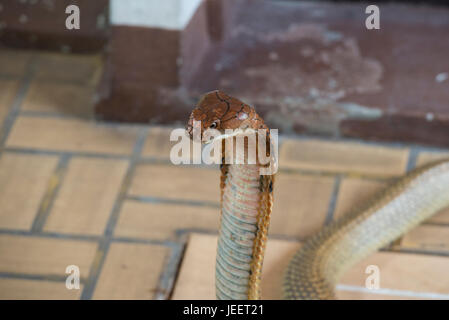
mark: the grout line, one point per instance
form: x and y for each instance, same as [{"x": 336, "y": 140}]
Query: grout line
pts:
[
  {"x": 411, "y": 165},
  {"x": 158, "y": 242},
  {"x": 18, "y": 100},
  {"x": 388, "y": 144},
  {"x": 51, "y": 114},
  {"x": 333, "y": 200},
  {"x": 435, "y": 224},
  {"x": 125, "y": 183},
  {"x": 10, "y": 77},
  {"x": 83, "y": 237},
  {"x": 166, "y": 161},
  {"x": 68, "y": 153},
  {"x": 169, "y": 273},
  {"x": 289, "y": 238},
  {"x": 105, "y": 242},
  {"x": 52, "y": 190},
  {"x": 343, "y": 174},
  {"x": 412, "y": 159},
  {"x": 27, "y": 233},
  {"x": 59, "y": 81},
  {"x": 95, "y": 269},
  {"x": 183, "y": 234},
  {"x": 419, "y": 251},
  {"x": 149, "y": 199},
  {"x": 39, "y": 277}
]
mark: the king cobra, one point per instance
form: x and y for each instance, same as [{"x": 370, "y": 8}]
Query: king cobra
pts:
[{"x": 313, "y": 272}]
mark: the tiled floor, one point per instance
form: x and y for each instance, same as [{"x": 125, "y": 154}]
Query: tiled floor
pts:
[{"x": 105, "y": 198}]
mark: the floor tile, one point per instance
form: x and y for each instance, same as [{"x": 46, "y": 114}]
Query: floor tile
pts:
[
  {"x": 131, "y": 271},
  {"x": 350, "y": 157},
  {"x": 84, "y": 69},
  {"x": 24, "y": 180},
  {"x": 354, "y": 193},
  {"x": 428, "y": 157},
  {"x": 196, "y": 276},
  {"x": 176, "y": 182},
  {"x": 21, "y": 289},
  {"x": 8, "y": 91},
  {"x": 14, "y": 62},
  {"x": 63, "y": 98},
  {"x": 44, "y": 256},
  {"x": 158, "y": 144},
  {"x": 301, "y": 204},
  {"x": 160, "y": 220},
  {"x": 71, "y": 135},
  {"x": 429, "y": 238},
  {"x": 401, "y": 271},
  {"x": 87, "y": 196}
]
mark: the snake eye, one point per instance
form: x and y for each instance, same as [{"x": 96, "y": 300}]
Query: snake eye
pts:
[{"x": 213, "y": 125}]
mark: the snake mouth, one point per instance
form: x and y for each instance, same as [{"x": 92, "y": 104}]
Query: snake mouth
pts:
[{"x": 210, "y": 138}]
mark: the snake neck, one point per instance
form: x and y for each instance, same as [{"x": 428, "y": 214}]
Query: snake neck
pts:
[{"x": 245, "y": 215}]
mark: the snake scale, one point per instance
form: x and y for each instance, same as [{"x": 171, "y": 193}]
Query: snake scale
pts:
[{"x": 312, "y": 273}]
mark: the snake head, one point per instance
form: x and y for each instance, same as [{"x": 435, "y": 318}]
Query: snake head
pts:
[
  {"x": 216, "y": 110},
  {"x": 218, "y": 117}
]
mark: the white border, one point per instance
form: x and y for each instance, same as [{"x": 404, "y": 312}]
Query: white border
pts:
[{"x": 165, "y": 14}]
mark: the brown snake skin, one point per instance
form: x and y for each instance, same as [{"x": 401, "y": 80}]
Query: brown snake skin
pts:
[{"x": 313, "y": 272}]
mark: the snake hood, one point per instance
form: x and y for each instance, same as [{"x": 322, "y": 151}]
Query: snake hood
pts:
[{"x": 217, "y": 110}]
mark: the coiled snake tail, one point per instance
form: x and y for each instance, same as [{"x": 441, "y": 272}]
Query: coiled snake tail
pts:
[{"x": 315, "y": 269}]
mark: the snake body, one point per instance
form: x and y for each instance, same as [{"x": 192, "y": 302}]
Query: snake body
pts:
[{"x": 246, "y": 204}]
